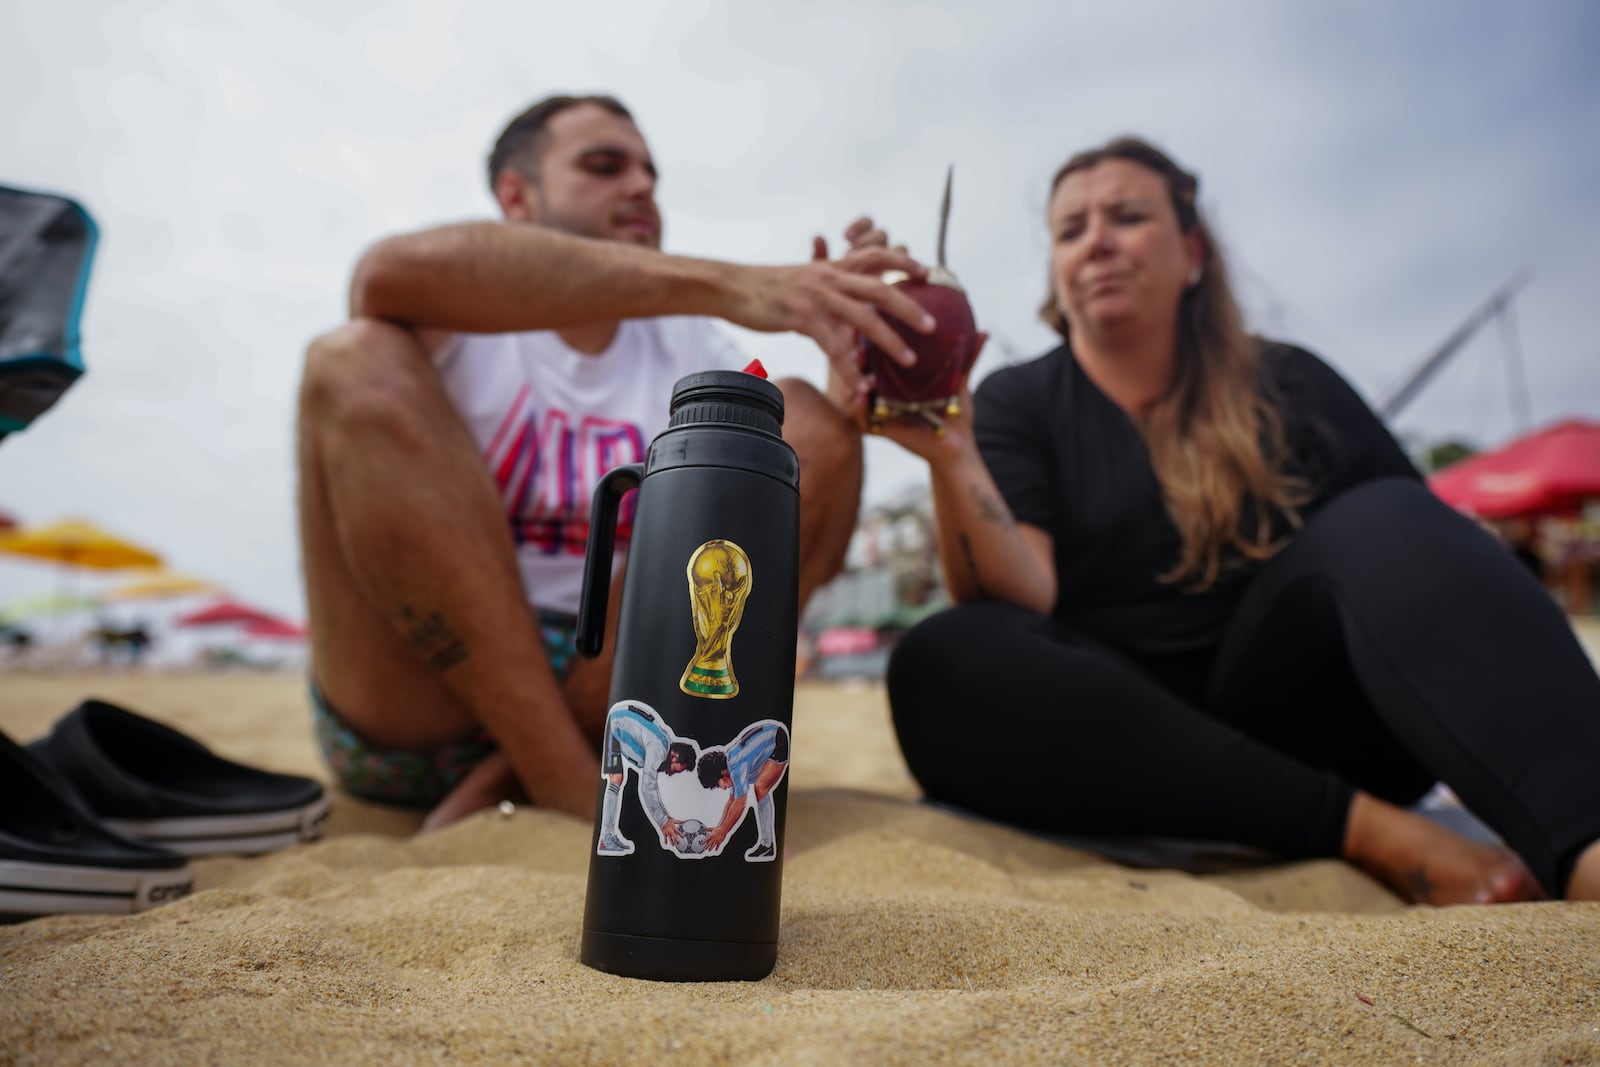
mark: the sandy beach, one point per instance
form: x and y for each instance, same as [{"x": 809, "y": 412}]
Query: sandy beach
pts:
[{"x": 910, "y": 936}]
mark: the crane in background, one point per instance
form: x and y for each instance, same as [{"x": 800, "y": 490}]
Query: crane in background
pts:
[{"x": 1497, "y": 307}]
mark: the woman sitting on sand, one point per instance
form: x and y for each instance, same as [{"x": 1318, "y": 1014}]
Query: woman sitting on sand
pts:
[{"x": 1202, "y": 593}]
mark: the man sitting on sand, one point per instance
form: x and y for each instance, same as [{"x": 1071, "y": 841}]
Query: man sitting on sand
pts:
[{"x": 451, "y": 433}]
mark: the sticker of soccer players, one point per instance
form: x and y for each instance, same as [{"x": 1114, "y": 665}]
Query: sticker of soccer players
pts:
[
  {"x": 754, "y": 763},
  {"x": 636, "y": 737}
]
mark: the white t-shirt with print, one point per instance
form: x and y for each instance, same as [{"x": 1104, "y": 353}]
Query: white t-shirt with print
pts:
[{"x": 551, "y": 421}]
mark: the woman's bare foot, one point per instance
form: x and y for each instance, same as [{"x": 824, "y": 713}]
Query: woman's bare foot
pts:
[
  {"x": 1584, "y": 884},
  {"x": 1428, "y": 864}
]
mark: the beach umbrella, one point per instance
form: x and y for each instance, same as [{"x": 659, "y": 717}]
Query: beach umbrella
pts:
[
  {"x": 40, "y": 605},
  {"x": 227, "y": 611},
  {"x": 78, "y": 544},
  {"x": 846, "y": 641},
  {"x": 158, "y": 584},
  {"x": 1551, "y": 472},
  {"x": 275, "y": 628}
]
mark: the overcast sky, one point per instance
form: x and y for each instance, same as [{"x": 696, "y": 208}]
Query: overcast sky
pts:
[{"x": 1375, "y": 171}]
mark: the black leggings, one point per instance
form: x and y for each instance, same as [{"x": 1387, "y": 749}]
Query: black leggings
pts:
[{"x": 1393, "y": 644}]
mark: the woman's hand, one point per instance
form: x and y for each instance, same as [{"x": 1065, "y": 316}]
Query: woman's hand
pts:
[{"x": 938, "y": 445}]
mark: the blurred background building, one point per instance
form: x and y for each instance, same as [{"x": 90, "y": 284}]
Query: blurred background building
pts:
[{"x": 891, "y": 581}]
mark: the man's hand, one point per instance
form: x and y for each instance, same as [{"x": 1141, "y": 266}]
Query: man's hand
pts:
[
  {"x": 672, "y": 830},
  {"x": 834, "y": 304},
  {"x": 847, "y": 386}
]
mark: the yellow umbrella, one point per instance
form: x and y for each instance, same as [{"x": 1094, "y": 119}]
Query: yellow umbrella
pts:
[
  {"x": 40, "y": 605},
  {"x": 78, "y": 544},
  {"x": 156, "y": 584}
]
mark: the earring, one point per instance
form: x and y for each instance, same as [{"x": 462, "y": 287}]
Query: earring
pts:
[{"x": 1195, "y": 276}]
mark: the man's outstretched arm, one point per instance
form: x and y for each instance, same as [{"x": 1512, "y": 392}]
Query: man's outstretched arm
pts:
[{"x": 496, "y": 277}]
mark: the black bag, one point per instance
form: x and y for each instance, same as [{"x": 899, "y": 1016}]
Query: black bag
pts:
[{"x": 46, "y": 247}]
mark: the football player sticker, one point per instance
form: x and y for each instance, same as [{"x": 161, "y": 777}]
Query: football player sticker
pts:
[{"x": 729, "y": 780}]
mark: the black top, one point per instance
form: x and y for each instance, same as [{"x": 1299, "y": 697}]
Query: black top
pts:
[{"x": 1071, "y": 462}]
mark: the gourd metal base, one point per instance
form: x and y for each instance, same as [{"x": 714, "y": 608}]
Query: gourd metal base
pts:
[{"x": 885, "y": 410}]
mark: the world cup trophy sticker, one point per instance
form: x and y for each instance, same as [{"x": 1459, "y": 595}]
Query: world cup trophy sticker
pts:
[{"x": 719, "y": 584}]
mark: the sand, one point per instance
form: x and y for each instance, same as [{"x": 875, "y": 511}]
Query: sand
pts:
[{"x": 910, "y": 936}]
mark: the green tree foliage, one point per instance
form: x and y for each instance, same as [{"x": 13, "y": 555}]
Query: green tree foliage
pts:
[{"x": 1445, "y": 453}]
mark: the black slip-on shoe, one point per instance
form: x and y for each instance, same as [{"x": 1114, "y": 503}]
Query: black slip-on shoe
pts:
[
  {"x": 55, "y": 856},
  {"x": 151, "y": 782}
]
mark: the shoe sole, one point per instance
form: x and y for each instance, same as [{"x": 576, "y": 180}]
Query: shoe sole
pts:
[
  {"x": 209, "y": 835},
  {"x": 52, "y": 888}
]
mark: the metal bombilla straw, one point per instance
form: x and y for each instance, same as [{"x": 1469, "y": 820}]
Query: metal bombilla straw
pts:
[
  {"x": 935, "y": 411},
  {"x": 939, "y": 274}
]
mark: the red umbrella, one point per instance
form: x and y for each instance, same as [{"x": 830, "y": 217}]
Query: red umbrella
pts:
[
  {"x": 226, "y": 611},
  {"x": 1546, "y": 473},
  {"x": 277, "y": 628},
  {"x": 846, "y": 641}
]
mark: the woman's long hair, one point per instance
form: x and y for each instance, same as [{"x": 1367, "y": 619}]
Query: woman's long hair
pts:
[{"x": 1216, "y": 441}]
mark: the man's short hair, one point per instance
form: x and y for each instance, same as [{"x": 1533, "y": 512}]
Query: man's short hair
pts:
[
  {"x": 523, "y": 140},
  {"x": 685, "y": 753},
  {"x": 711, "y": 767}
]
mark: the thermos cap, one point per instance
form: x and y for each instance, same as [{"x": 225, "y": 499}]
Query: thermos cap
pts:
[{"x": 727, "y": 398}]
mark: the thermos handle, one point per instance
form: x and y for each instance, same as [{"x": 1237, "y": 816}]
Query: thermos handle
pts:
[{"x": 597, "y": 560}]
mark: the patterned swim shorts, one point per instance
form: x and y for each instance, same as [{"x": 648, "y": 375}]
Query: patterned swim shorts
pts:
[{"x": 420, "y": 779}]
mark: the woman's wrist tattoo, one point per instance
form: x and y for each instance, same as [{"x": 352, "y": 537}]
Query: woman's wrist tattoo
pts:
[
  {"x": 972, "y": 565},
  {"x": 991, "y": 507}
]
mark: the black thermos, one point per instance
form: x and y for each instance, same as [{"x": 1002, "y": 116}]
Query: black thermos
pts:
[{"x": 702, "y": 685}]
